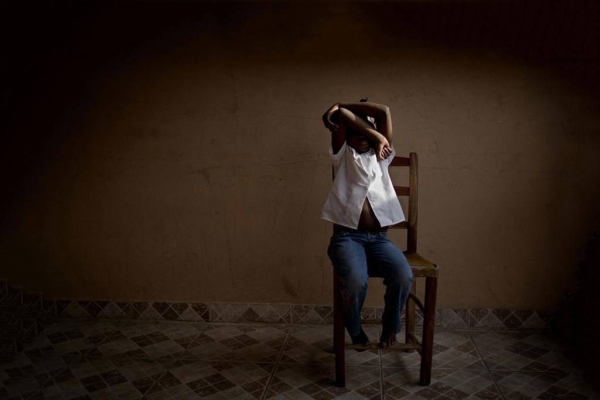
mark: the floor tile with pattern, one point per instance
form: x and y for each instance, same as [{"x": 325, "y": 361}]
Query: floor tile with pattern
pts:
[{"x": 105, "y": 359}]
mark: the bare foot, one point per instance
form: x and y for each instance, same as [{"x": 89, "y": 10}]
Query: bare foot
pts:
[{"x": 387, "y": 339}]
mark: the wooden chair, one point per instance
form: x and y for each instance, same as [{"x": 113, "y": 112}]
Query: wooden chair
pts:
[{"x": 421, "y": 268}]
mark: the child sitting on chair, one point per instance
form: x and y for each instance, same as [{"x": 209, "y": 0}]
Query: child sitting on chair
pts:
[{"x": 362, "y": 204}]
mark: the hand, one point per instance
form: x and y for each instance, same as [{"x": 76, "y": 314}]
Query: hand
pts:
[
  {"x": 327, "y": 118},
  {"x": 383, "y": 149}
]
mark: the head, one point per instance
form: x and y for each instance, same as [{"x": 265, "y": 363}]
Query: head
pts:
[{"x": 358, "y": 141}]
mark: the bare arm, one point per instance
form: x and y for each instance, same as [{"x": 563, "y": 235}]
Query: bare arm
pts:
[
  {"x": 380, "y": 112},
  {"x": 331, "y": 120},
  {"x": 342, "y": 115},
  {"x": 348, "y": 119}
]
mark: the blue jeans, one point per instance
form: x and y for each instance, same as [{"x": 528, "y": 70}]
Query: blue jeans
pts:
[{"x": 356, "y": 255}]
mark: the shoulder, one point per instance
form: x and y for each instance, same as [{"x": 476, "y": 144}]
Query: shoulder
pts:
[{"x": 338, "y": 155}]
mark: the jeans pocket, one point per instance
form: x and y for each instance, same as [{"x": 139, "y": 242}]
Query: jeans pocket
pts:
[{"x": 336, "y": 239}]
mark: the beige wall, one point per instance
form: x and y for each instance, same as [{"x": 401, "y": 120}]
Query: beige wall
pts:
[{"x": 175, "y": 151}]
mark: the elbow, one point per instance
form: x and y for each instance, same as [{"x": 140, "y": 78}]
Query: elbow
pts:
[
  {"x": 383, "y": 111},
  {"x": 379, "y": 110},
  {"x": 344, "y": 113}
]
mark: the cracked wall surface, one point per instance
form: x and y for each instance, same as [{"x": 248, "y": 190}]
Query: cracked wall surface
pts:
[{"x": 174, "y": 151}]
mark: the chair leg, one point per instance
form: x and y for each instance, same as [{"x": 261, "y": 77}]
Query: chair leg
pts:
[
  {"x": 339, "y": 345},
  {"x": 410, "y": 315},
  {"x": 428, "y": 327}
]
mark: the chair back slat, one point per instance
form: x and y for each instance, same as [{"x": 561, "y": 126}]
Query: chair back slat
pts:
[
  {"x": 400, "y": 162},
  {"x": 400, "y": 225},
  {"x": 402, "y": 190}
]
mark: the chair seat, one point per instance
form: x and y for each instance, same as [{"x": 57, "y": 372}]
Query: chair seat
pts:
[{"x": 421, "y": 267}]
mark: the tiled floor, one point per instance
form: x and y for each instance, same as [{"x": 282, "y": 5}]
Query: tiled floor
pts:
[{"x": 159, "y": 360}]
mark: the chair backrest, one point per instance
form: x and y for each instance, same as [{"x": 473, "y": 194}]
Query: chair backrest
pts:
[{"x": 412, "y": 192}]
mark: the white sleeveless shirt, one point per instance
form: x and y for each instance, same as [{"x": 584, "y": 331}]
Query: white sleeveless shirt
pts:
[{"x": 358, "y": 176}]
